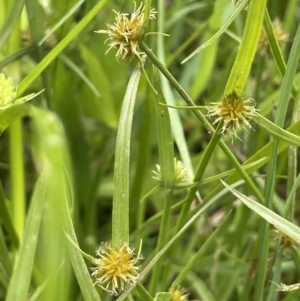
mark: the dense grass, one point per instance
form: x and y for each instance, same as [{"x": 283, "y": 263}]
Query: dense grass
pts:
[{"x": 77, "y": 160}]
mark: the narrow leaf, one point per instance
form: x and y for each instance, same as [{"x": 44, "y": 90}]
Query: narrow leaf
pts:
[{"x": 274, "y": 219}]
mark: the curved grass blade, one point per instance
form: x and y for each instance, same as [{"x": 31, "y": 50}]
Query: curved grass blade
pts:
[
  {"x": 277, "y": 131},
  {"x": 82, "y": 273},
  {"x": 60, "y": 47},
  {"x": 61, "y": 21},
  {"x": 9, "y": 114},
  {"x": 177, "y": 235},
  {"x": 271, "y": 217},
  {"x": 79, "y": 72},
  {"x": 120, "y": 218},
  {"x": 219, "y": 33},
  {"x": 17, "y": 55},
  {"x": 275, "y": 48},
  {"x": 10, "y": 21},
  {"x": 20, "y": 281},
  {"x": 6, "y": 219},
  {"x": 53, "y": 157}
]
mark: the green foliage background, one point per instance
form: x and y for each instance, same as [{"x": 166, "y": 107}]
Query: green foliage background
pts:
[{"x": 57, "y": 162}]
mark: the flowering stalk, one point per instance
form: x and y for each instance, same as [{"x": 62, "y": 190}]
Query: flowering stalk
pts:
[{"x": 165, "y": 174}]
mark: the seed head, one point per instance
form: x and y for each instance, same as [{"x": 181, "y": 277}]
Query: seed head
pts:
[
  {"x": 126, "y": 32},
  {"x": 8, "y": 92},
  {"x": 115, "y": 269},
  {"x": 280, "y": 34},
  {"x": 234, "y": 111},
  {"x": 287, "y": 288},
  {"x": 180, "y": 171},
  {"x": 178, "y": 294},
  {"x": 287, "y": 243}
]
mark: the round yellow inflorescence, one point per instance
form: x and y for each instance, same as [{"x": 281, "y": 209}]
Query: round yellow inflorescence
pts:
[
  {"x": 116, "y": 269},
  {"x": 233, "y": 111},
  {"x": 8, "y": 92},
  {"x": 126, "y": 32},
  {"x": 178, "y": 294},
  {"x": 280, "y": 34},
  {"x": 181, "y": 175},
  {"x": 287, "y": 243}
]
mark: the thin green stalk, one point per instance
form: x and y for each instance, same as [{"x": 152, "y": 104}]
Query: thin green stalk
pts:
[
  {"x": 162, "y": 239},
  {"x": 6, "y": 219},
  {"x": 198, "y": 176},
  {"x": 17, "y": 175},
  {"x": 143, "y": 158},
  {"x": 19, "y": 284},
  {"x": 120, "y": 214},
  {"x": 12, "y": 20},
  {"x": 218, "y": 33},
  {"x": 175, "y": 84},
  {"x": 166, "y": 160},
  {"x": 275, "y": 48},
  {"x": 289, "y": 22},
  {"x": 211, "y": 239},
  {"x": 16, "y": 140},
  {"x": 40, "y": 67},
  {"x": 292, "y": 166},
  {"x": 143, "y": 293},
  {"x": 186, "y": 43}
]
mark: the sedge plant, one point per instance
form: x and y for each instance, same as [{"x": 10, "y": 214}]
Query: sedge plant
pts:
[{"x": 149, "y": 150}]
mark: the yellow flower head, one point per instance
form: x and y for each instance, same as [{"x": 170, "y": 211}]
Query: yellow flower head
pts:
[
  {"x": 280, "y": 34},
  {"x": 287, "y": 243},
  {"x": 8, "y": 92},
  {"x": 115, "y": 269},
  {"x": 180, "y": 171},
  {"x": 233, "y": 111},
  {"x": 126, "y": 32},
  {"x": 178, "y": 294}
]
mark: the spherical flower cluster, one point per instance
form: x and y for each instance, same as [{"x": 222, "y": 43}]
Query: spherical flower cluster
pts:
[
  {"x": 233, "y": 111},
  {"x": 116, "y": 268},
  {"x": 280, "y": 34},
  {"x": 126, "y": 32},
  {"x": 178, "y": 294},
  {"x": 8, "y": 92},
  {"x": 180, "y": 171},
  {"x": 287, "y": 243}
]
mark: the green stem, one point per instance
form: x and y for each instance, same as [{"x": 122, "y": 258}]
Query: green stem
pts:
[
  {"x": 39, "y": 68},
  {"x": 17, "y": 175},
  {"x": 16, "y": 139},
  {"x": 166, "y": 160},
  {"x": 275, "y": 48},
  {"x": 198, "y": 176},
  {"x": 206, "y": 245},
  {"x": 175, "y": 84}
]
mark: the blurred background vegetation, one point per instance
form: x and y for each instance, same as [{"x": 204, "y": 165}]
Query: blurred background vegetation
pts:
[{"x": 84, "y": 89}]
